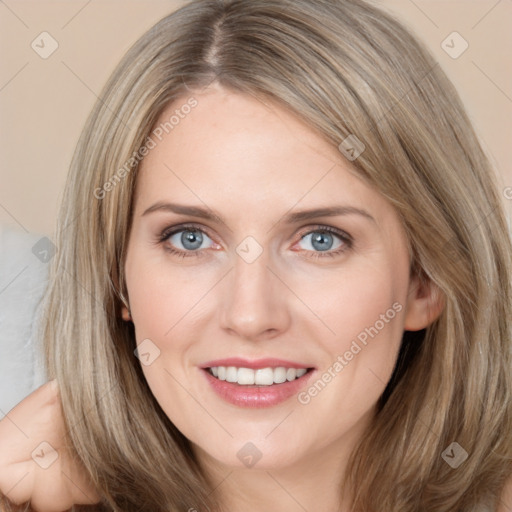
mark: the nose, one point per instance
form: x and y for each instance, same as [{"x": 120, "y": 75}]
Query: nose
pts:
[{"x": 254, "y": 300}]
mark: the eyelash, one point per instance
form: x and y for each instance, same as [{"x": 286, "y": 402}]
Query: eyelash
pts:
[{"x": 345, "y": 238}]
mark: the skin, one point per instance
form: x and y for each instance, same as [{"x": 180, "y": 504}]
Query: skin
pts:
[
  {"x": 35, "y": 464},
  {"x": 281, "y": 305},
  {"x": 252, "y": 163}
]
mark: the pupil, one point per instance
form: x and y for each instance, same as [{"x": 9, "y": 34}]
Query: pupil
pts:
[
  {"x": 322, "y": 238},
  {"x": 193, "y": 238}
]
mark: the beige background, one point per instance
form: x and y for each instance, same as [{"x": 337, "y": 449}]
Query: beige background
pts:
[{"x": 44, "y": 102}]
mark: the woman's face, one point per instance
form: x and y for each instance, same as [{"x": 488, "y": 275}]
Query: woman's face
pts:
[{"x": 254, "y": 252}]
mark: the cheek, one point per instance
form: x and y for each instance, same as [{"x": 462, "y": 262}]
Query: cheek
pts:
[
  {"x": 161, "y": 302},
  {"x": 159, "y": 298},
  {"x": 148, "y": 301},
  {"x": 360, "y": 303},
  {"x": 364, "y": 311}
]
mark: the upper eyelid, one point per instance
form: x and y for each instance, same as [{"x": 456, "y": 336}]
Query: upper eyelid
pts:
[
  {"x": 335, "y": 231},
  {"x": 306, "y": 230},
  {"x": 167, "y": 232}
]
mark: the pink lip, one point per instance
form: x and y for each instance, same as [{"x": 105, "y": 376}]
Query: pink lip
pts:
[
  {"x": 240, "y": 362},
  {"x": 256, "y": 396}
]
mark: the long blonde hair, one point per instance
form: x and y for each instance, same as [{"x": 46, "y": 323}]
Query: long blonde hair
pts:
[{"x": 346, "y": 68}]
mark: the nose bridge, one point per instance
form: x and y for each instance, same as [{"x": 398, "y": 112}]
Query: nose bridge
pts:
[
  {"x": 253, "y": 304},
  {"x": 251, "y": 279}
]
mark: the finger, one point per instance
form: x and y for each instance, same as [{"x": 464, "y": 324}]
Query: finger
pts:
[
  {"x": 16, "y": 482},
  {"x": 35, "y": 419}
]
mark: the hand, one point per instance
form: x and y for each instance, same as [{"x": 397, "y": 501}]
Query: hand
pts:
[{"x": 35, "y": 464}]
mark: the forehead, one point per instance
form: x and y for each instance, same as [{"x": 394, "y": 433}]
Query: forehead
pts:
[{"x": 234, "y": 149}]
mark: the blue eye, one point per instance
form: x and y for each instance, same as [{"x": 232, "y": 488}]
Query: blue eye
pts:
[
  {"x": 190, "y": 238},
  {"x": 322, "y": 242},
  {"x": 186, "y": 241}
]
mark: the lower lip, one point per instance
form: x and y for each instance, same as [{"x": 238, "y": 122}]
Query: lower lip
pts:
[{"x": 256, "y": 396}]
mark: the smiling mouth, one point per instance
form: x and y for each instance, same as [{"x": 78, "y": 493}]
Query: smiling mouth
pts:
[{"x": 259, "y": 377}]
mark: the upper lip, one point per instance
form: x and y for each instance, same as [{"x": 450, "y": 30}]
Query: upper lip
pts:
[{"x": 267, "y": 362}]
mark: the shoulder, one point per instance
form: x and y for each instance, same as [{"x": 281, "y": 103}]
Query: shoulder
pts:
[{"x": 505, "y": 504}]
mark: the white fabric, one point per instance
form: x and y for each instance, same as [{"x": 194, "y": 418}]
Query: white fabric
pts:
[{"x": 23, "y": 278}]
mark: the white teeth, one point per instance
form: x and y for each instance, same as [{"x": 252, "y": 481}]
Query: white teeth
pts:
[
  {"x": 245, "y": 376},
  {"x": 264, "y": 376},
  {"x": 231, "y": 374},
  {"x": 279, "y": 375},
  {"x": 260, "y": 377}
]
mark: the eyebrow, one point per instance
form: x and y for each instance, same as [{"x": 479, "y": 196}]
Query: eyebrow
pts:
[{"x": 291, "y": 218}]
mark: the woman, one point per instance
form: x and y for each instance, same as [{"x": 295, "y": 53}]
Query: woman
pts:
[{"x": 287, "y": 284}]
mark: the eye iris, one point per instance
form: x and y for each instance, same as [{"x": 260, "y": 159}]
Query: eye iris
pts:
[
  {"x": 321, "y": 238},
  {"x": 191, "y": 237}
]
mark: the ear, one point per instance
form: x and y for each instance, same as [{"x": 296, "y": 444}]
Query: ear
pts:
[
  {"x": 425, "y": 302},
  {"x": 125, "y": 314}
]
